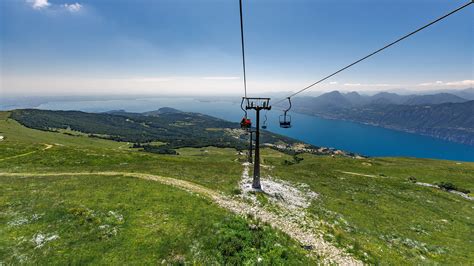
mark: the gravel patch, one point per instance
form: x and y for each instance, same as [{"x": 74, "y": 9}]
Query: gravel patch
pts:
[
  {"x": 282, "y": 193},
  {"x": 40, "y": 239},
  {"x": 290, "y": 216},
  {"x": 450, "y": 191}
]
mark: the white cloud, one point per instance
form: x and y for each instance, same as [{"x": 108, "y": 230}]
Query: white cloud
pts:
[
  {"x": 43, "y": 4},
  {"x": 426, "y": 84},
  {"x": 333, "y": 82},
  {"x": 220, "y": 78},
  {"x": 467, "y": 82},
  {"x": 39, "y": 4},
  {"x": 459, "y": 83},
  {"x": 180, "y": 85},
  {"x": 68, "y": 85},
  {"x": 149, "y": 79},
  {"x": 377, "y": 85},
  {"x": 73, "y": 7},
  {"x": 180, "y": 78}
]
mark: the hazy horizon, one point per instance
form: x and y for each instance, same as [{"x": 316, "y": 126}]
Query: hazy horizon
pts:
[{"x": 277, "y": 94}]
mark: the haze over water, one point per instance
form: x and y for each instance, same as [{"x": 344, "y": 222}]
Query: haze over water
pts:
[{"x": 345, "y": 135}]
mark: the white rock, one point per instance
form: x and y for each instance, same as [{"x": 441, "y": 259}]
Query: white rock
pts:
[{"x": 40, "y": 239}]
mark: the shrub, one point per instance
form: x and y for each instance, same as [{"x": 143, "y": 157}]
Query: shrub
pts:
[
  {"x": 236, "y": 191},
  {"x": 447, "y": 186},
  {"x": 297, "y": 159},
  {"x": 450, "y": 186},
  {"x": 159, "y": 149}
]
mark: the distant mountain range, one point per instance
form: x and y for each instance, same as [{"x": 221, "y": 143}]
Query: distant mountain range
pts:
[
  {"x": 354, "y": 99},
  {"x": 442, "y": 115},
  {"x": 466, "y": 94}
]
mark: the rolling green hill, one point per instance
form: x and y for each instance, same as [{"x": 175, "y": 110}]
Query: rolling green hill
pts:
[
  {"x": 74, "y": 199},
  {"x": 161, "y": 131},
  {"x": 104, "y": 219},
  {"x": 176, "y": 129}
]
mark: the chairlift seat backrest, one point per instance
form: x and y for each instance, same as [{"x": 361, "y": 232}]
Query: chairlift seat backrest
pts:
[{"x": 285, "y": 121}]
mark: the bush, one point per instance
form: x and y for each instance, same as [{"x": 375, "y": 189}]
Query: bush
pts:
[
  {"x": 236, "y": 191},
  {"x": 159, "y": 149},
  {"x": 447, "y": 186},
  {"x": 297, "y": 159}
]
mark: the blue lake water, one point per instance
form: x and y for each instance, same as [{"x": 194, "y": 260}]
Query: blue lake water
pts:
[{"x": 349, "y": 136}]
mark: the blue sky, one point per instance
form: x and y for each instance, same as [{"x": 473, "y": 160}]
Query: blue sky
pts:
[{"x": 75, "y": 47}]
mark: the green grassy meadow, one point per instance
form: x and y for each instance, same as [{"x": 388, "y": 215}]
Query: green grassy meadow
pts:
[
  {"x": 213, "y": 167},
  {"x": 368, "y": 206},
  {"x": 111, "y": 220},
  {"x": 385, "y": 216}
]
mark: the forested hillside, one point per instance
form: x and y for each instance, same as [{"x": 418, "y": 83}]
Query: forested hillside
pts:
[{"x": 172, "y": 127}]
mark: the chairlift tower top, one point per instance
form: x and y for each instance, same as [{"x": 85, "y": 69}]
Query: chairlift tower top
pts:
[{"x": 257, "y": 104}]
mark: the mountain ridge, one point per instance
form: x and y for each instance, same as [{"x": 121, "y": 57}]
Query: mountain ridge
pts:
[
  {"x": 443, "y": 115},
  {"x": 336, "y": 98}
]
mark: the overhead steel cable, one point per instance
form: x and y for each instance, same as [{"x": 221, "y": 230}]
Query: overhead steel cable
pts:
[
  {"x": 379, "y": 50},
  {"x": 243, "y": 48}
]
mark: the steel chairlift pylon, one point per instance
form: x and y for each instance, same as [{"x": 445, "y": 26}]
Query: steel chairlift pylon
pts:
[{"x": 257, "y": 104}]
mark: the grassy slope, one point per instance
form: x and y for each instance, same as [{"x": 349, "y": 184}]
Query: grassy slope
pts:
[
  {"x": 213, "y": 167},
  {"x": 159, "y": 222},
  {"x": 110, "y": 220},
  {"x": 388, "y": 218}
]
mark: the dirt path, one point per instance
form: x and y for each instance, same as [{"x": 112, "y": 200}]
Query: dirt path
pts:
[
  {"x": 292, "y": 201},
  {"x": 306, "y": 237},
  {"x": 47, "y": 146},
  {"x": 352, "y": 173},
  {"x": 126, "y": 144}
]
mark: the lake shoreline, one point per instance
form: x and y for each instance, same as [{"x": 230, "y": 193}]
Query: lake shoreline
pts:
[{"x": 411, "y": 131}]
